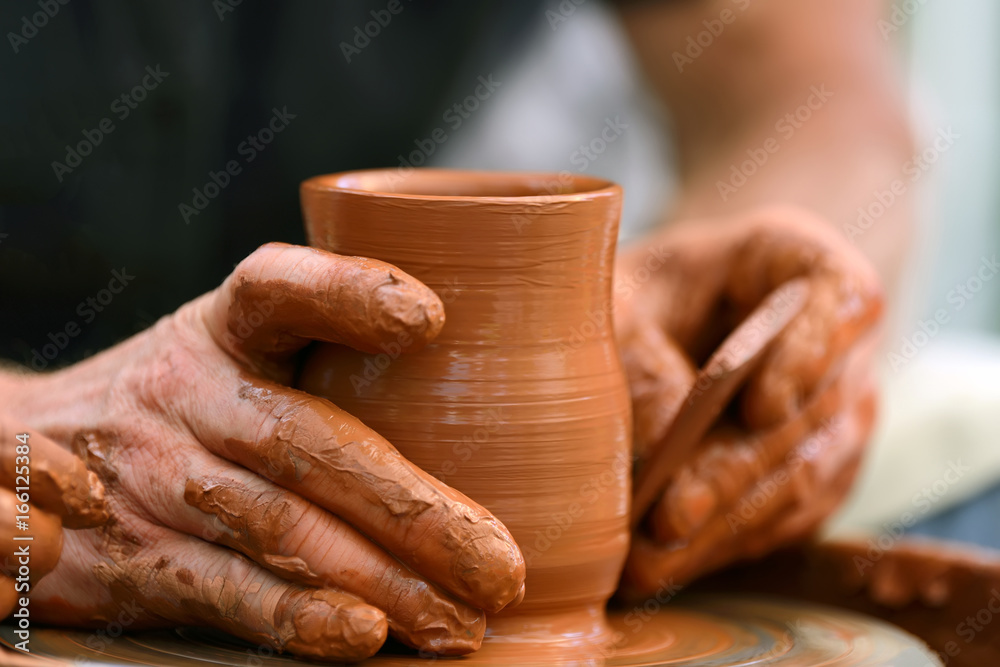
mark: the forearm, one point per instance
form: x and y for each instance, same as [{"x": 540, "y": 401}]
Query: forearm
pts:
[{"x": 733, "y": 108}]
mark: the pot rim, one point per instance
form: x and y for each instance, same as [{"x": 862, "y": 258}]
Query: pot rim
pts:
[{"x": 581, "y": 186}]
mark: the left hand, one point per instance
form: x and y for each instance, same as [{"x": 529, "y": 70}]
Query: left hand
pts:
[{"x": 781, "y": 462}]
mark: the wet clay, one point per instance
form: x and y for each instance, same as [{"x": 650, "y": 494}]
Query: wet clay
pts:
[
  {"x": 698, "y": 526},
  {"x": 946, "y": 594},
  {"x": 417, "y": 613},
  {"x": 689, "y": 632},
  {"x": 520, "y": 402},
  {"x": 60, "y": 482},
  {"x": 151, "y": 575},
  {"x": 713, "y": 388},
  {"x": 356, "y": 472},
  {"x": 264, "y": 318}
]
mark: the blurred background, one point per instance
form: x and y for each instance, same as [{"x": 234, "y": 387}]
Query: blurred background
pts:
[
  {"x": 940, "y": 407},
  {"x": 557, "y": 85}
]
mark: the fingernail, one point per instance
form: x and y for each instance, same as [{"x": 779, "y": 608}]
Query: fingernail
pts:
[
  {"x": 331, "y": 624},
  {"x": 492, "y": 569},
  {"x": 443, "y": 626},
  {"x": 409, "y": 310}
]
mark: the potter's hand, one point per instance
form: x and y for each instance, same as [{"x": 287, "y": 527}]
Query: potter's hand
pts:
[
  {"x": 783, "y": 459},
  {"x": 239, "y": 503},
  {"x": 43, "y": 487}
]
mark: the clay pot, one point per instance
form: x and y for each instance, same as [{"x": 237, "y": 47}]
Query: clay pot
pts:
[{"x": 520, "y": 402}]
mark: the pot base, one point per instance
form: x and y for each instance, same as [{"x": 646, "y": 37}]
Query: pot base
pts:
[{"x": 700, "y": 630}]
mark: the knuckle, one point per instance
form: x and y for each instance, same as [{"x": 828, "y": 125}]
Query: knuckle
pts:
[{"x": 276, "y": 434}]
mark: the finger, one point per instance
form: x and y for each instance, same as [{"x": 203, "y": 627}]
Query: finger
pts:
[
  {"x": 660, "y": 375},
  {"x": 801, "y": 519},
  {"x": 303, "y": 543},
  {"x": 308, "y": 445},
  {"x": 725, "y": 461},
  {"x": 845, "y": 305},
  {"x": 675, "y": 281},
  {"x": 281, "y": 297},
  {"x": 730, "y": 462},
  {"x": 716, "y": 544},
  {"x": 32, "y": 539},
  {"x": 811, "y": 483},
  {"x": 59, "y": 481},
  {"x": 190, "y": 582}
]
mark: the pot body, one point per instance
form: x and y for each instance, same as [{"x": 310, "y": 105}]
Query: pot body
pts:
[{"x": 520, "y": 402}]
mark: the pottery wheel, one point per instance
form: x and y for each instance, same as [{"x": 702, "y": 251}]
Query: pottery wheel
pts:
[{"x": 719, "y": 631}]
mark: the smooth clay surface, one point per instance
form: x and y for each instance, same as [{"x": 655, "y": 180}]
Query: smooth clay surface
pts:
[{"x": 520, "y": 402}]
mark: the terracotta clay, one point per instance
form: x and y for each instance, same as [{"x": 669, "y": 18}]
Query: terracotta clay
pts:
[
  {"x": 521, "y": 399},
  {"x": 520, "y": 402},
  {"x": 946, "y": 594}
]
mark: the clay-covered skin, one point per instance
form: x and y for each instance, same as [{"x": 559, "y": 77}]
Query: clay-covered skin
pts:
[
  {"x": 713, "y": 388},
  {"x": 784, "y": 456},
  {"x": 258, "y": 522},
  {"x": 520, "y": 401},
  {"x": 235, "y": 502},
  {"x": 945, "y": 593},
  {"x": 60, "y": 492}
]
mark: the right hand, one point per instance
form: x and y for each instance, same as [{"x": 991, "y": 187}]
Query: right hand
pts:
[
  {"x": 239, "y": 503},
  {"x": 800, "y": 423}
]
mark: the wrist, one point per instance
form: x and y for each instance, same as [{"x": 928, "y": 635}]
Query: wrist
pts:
[{"x": 17, "y": 385}]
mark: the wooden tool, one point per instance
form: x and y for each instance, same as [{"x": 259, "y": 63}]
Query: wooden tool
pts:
[{"x": 715, "y": 385}]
